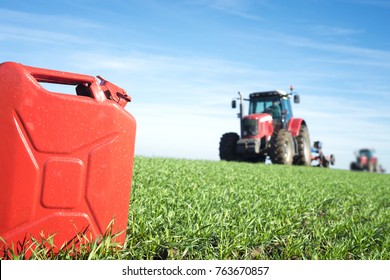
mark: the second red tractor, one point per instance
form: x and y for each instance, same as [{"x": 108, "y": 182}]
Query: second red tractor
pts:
[{"x": 366, "y": 160}]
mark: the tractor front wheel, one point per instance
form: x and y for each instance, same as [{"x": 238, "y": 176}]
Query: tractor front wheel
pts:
[
  {"x": 227, "y": 146},
  {"x": 282, "y": 150},
  {"x": 355, "y": 167}
]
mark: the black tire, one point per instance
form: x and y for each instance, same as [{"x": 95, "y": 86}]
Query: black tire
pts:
[
  {"x": 354, "y": 167},
  {"x": 332, "y": 159},
  {"x": 227, "y": 146},
  {"x": 282, "y": 150},
  {"x": 303, "y": 143},
  {"x": 375, "y": 168},
  {"x": 325, "y": 163},
  {"x": 259, "y": 159}
]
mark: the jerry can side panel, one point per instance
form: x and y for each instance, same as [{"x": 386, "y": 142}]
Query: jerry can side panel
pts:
[
  {"x": 18, "y": 167},
  {"x": 112, "y": 165}
]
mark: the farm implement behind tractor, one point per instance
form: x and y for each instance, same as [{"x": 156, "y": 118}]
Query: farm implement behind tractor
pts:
[
  {"x": 318, "y": 158},
  {"x": 269, "y": 130}
]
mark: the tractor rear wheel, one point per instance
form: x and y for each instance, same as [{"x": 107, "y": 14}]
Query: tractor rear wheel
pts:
[
  {"x": 303, "y": 143},
  {"x": 227, "y": 146},
  {"x": 325, "y": 163},
  {"x": 282, "y": 150}
]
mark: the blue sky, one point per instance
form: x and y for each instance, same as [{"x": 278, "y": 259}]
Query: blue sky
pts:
[{"x": 183, "y": 62}]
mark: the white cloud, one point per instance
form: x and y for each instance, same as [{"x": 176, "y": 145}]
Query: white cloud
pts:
[
  {"x": 39, "y": 36},
  {"x": 326, "y": 30},
  {"x": 239, "y": 8},
  {"x": 325, "y": 48},
  {"x": 46, "y": 21},
  {"x": 178, "y": 131}
]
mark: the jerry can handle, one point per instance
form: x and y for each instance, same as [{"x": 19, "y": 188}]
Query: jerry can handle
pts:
[
  {"x": 106, "y": 90},
  {"x": 58, "y": 77}
]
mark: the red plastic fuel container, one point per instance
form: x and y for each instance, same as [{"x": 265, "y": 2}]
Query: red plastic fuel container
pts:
[{"x": 66, "y": 161}]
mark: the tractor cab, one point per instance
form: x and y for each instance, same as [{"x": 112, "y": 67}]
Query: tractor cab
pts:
[
  {"x": 269, "y": 110},
  {"x": 368, "y": 153},
  {"x": 276, "y": 103}
]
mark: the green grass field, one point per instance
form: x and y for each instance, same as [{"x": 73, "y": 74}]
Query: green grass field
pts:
[
  {"x": 193, "y": 209},
  {"x": 227, "y": 210}
]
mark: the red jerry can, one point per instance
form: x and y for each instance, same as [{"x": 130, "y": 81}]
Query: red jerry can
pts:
[{"x": 66, "y": 161}]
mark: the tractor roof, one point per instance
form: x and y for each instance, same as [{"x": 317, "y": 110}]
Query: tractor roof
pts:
[
  {"x": 372, "y": 150},
  {"x": 269, "y": 93}
]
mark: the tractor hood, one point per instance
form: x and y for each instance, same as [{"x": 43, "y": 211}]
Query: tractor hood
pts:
[
  {"x": 263, "y": 117},
  {"x": 257, "y": 125}
]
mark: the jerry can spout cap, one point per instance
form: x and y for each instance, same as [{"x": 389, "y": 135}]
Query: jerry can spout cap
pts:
[{"x": 114, "y": 92}]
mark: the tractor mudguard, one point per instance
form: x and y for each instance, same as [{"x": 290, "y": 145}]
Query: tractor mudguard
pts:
[{"x": 295, "y": 125}]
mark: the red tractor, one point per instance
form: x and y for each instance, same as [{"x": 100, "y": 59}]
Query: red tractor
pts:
[
  {"x": 269, "y": 130},
  {"x": 365, "y": 160}
]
